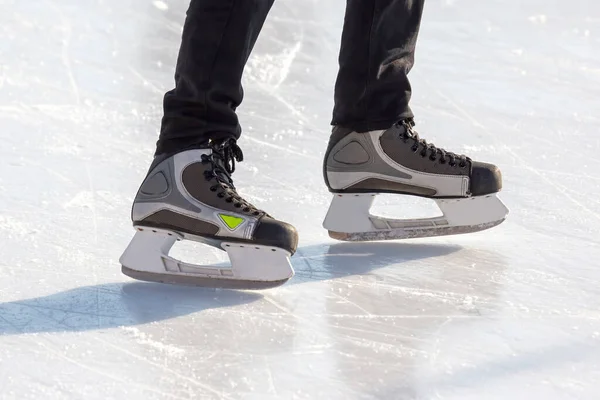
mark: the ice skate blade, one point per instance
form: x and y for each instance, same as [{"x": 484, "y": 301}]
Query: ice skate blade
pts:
[
  {"x": 195, "y": 281},
  {"x": 348, "y": 219},
  {"x": 410, "y": 233},
  {"x": 252, "y": 267}
]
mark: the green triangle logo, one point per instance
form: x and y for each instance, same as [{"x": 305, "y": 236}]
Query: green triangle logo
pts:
[{"x": 231, "y": 221}]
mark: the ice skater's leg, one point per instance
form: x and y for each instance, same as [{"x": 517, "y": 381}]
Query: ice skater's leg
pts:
[
  {"x": 377, "y": 52},
  {"x": 218, "y": 37},
  {"x": 188, "y": 193},
  {"x": 374, "y": 147}
]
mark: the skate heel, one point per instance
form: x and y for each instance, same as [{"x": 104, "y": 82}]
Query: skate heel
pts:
[
  {"x": 349, "y": 218},
  {"x": 252, "y": 266}
]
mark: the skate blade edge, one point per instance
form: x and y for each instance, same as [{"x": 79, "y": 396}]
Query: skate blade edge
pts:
[
  {"x": 197, "y": 281},
  {"x": 414, "y": 233}
]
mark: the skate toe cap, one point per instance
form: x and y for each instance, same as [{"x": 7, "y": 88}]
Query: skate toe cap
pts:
[
  {"x": 271, "y": 232},
  {"x": 485, "y": 179}
]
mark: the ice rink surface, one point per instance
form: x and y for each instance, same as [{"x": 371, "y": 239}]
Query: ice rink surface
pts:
[{"x": 510, "y": 313}]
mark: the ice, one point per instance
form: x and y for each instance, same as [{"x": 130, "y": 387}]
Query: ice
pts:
[{"x": 513, "y": 312}]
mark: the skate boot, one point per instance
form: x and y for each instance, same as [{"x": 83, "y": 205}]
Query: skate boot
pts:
[
  {"x": 358, "y": 166},
  {"x": 191, "y": 195}
]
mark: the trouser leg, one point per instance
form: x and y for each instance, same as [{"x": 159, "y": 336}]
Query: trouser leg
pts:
[
  {"x": 218, "y": 36},
  {"x": 372, "y": 90}
]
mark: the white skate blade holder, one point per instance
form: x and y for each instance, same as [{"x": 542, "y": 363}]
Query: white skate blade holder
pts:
[
  {"x": 349, "y": 218},
  {"x": 252, "y": 266}
]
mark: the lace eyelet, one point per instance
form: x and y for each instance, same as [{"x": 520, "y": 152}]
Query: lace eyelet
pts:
[
  {"x": 213, "y": 188},
  {"x": 229, "y": 200},
  {"x": 442, "y": 161},
  {"x": 423, "y": 155},
  {"x": 246, "y": 209},
  {"x": 237, "y": 205},
  {"x": 256, "y": 213},
  {"x": 432, "y": 158},
  {"x": 462, "y": 165},
  {"x": 452, "y": 164},
  {"x": 414, "y": 149}
]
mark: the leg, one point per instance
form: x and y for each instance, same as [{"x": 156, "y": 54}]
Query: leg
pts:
[
  {"x": 377, "y": 52},
  {"x": 188, "y": 193},
  {"x": 374, "y": 148},
  {"x": 218, "y": 37}
]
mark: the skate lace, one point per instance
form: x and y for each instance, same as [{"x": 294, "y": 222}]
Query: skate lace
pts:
[
  {"x": 435, "y": 153},
  {"x": 224, "y": 155}
]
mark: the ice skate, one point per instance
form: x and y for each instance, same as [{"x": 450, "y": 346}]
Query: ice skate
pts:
[
  {"x": 358, "y": 166},
  {"x": 191, "y": 195}
]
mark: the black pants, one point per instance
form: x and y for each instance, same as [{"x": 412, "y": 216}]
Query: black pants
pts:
[{"x": 372, "y": 90}]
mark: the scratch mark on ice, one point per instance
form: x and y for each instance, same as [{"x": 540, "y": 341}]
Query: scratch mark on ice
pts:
[
  {"x": 66, "y": 58},
  {"x": 92, "y": 202},
  {"x": 270, "y": 377},
  {"x": 281, "y": 148},
  {"x": 142, "y": 338},
  {"x": 346, "y": 300},
  {"x": 161, "y": 346},
  {"x": 288, "y": 60},
  {"x": 95, "y": 221},
  {"x": 2, "y": 78},
  {"x": 116, "y": 378},
  {"x": 152, "y": 86}
]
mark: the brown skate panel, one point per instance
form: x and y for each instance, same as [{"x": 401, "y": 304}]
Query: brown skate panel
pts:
[
  {"x": 170, "y": 220},
  {"x": 382, "y": 185}
]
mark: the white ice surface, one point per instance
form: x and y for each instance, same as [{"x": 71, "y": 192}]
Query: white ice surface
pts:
[{"x": 511, "y": 313}]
